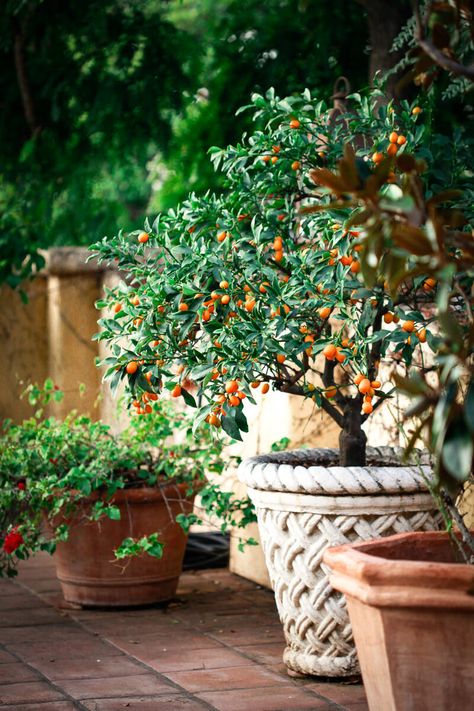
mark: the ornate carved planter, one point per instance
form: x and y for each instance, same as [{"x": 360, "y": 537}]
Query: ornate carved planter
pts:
[
  {"x": 305, "y": 503},
  {"x": 412, "y": 609}
]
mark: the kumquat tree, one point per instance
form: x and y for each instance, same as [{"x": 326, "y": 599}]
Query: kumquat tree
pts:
[{"x": 262, "y": 287}]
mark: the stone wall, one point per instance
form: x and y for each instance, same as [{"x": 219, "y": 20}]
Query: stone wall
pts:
[{"x": 51, "y": 335}]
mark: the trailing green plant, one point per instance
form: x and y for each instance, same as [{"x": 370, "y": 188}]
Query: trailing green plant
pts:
[{"x": 49, "y": 468}]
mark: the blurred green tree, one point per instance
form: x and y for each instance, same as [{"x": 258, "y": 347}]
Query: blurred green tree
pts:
[
  {"x": 108, "y": 106},
  {"x": 87, "y": 93},
  {"x": 247, "y": 46}
]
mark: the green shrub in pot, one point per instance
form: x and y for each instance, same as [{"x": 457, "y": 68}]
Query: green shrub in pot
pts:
[{"x": 50, "y": 467}]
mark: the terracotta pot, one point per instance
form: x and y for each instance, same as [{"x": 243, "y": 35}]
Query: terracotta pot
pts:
[
  {"x": 412, "y": 612},
  {"x": 305, "y": 503},
  {"x": 85, "y": 564}
]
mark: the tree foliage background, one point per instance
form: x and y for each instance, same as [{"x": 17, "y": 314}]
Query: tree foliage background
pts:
[{"x": 108, "y": 107}]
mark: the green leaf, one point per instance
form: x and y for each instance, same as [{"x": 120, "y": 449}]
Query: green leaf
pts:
[
  {"x": 457, "y": 450},
  {"x": 241, "y": 420},
  {"x": 451, "y": 328},
  {"x": 188, "y": 398},
  {"x": 84, "y": 486},
  {"x": 113, "y": 512},
  {"x": 469, "y": 407},
  {"x": 156, "y": 550},
  {"x": 230, "y": 426}
]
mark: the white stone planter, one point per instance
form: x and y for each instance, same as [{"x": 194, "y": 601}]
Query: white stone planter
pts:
[{"x": 305, "y": 503}]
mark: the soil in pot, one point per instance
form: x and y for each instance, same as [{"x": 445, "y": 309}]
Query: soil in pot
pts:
[{"x": 85, "y": 563}]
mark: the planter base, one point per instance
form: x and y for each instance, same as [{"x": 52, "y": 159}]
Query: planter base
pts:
[
  {"x": 304, "y": 664},
  {"x": 118, "y": 592}
]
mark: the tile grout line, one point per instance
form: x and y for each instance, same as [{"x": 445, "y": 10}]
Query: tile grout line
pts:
[
  {"x": 44, "y": 678},
  {"x": 332, "y": 704}
]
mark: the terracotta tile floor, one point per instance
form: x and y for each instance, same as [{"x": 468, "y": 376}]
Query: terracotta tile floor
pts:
[{"x": 217, "y": 646}]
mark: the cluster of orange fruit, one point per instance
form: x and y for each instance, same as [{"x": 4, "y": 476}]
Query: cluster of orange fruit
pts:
[
  {"x": 408, "y": 326},
  {"x": 395, "y": 141},
  {"x": 347, "y": 260},
  {"x": 232, "y": 397},
  {"x": 142, "y": 405},
  {"x": 332, "y": 352},
  {"x": 267, "y": 158},
  {"x": 367, "y": 388},
  {"x": 278, "y": 248}
]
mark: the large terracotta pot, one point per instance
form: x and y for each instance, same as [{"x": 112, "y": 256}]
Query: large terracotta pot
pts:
[
  {"x": 85, "y": 563},
  {"x": 306, "y": 503},
  {"x": 412, "y": 610}
]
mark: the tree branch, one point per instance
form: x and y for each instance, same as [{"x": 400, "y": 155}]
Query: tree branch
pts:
[
  {"x": 332, "y": 412},
  {"x": 450, "y": 65},
  {"x": 467, "y": 537},
  {"x": 24, "y": 84},
  {"x": 438, "y": 57}
]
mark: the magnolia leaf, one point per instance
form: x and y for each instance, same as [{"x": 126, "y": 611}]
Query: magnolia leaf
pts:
[
  {"x": 451, "y": 328},
  {"x": 469, "y": 407},
  {"x": 413, "y": 386},
  {"x": 406, "y": 162},
  {"x": 322, "y": 176},
  {"x": 441, "y": 415},
  {"x": 358, "y": 217},
  {"x": 444, "y": 196},
  {"x": 413, "y": 239}
]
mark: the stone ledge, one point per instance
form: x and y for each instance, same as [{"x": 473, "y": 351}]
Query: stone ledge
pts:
[{"x": 64, "y": 261}]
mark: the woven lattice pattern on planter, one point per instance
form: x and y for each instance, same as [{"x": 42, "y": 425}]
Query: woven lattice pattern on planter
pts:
[
  {"x": 314, "y": 616},
  {"x": 296, "y": 527}
]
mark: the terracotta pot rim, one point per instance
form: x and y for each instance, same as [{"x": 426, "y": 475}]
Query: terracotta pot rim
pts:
[
  {"x": 143, "y": 493},
  {"x": 385, "y": 581}
]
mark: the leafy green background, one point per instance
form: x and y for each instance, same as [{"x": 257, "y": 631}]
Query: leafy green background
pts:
[{"x": 115, "y": 127}]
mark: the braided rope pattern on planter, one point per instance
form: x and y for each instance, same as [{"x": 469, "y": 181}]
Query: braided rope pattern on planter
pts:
[
  {"x": 314, "y": 616},
  {"x": 315, "y": 471}
]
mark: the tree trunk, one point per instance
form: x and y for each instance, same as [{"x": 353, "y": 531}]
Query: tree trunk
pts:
[
  {"x": 385, "y": 20},
  {"x": 352, "y": 440}
]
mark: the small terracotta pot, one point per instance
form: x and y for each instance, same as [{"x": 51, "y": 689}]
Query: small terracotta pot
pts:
[
  {"x": 411, "y": 608},
  {"x": 85, "y": 564}
]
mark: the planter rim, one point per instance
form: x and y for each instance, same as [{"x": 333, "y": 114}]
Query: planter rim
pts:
[
  {"x": 366, "y": 572},
  {"x": 372, "y": 505},
  {"x": 138, "y": 494},
  {"x": 312, "y": 471},
  {"x": 143, "y": 494}
]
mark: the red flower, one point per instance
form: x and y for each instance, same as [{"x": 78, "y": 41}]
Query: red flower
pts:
[
  {"x": 21, "y": 485},
  {"x": 12, "y": 541}
]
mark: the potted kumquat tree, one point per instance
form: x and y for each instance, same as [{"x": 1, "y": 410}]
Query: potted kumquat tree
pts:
[{"x": 261, "y": 287}]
